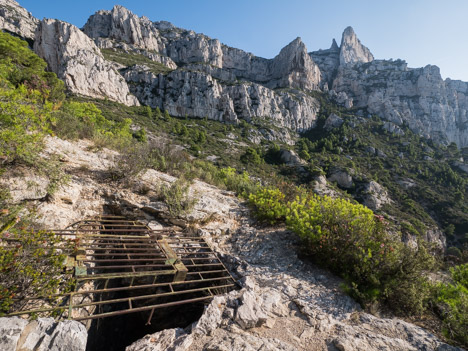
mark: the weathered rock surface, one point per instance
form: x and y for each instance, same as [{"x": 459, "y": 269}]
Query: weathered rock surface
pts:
[
  {"x": 342, "y": 177},
  {"x": 43, "y": 334},
  {"x": 25, "y": 185},
  {"x": 15, "y": 19},
  {"x": 432, "y": 107},
  {"x": 333, "y": 121},
  {"x": 374, "y": 195},
  {"x": 208, "y": 85},
  {"x": 77, "y": 60},
  {"x": 351, "y": 49},
  {"x": 284, "y": 303},
  {"x": 199, "y": 94}
]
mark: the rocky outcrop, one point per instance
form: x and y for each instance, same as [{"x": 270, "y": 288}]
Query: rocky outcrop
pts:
[
  {"x": 332, "y": 122},
  {"x": 18, "y": 334},
  {"x": 342, "y": 177},
  {"x": 200, "y": 95},
  {"x": 122, "y": 25},
  {"x": 76, "y": 60},
  {"x": 419, "y": 97},
  {"x": 15, "y": 19},
  {"x": 374, "y": 195},
  {"x": 284, "y": 304},
  {"x": 328, "y": 62},
  {"x": 293, "y": 67},
  {"x": 351, "y": 49}
]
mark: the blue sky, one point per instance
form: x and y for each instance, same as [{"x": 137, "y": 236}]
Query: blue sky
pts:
[{"x": 418, "y": 31}]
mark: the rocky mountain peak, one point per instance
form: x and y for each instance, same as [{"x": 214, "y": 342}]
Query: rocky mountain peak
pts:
[
  {"x": 15, "y": 19},
  {"x": 295, "y": 68},
  {"x": 334, "y": 46},
  {"x": 351, "y": 49},
  {"x": 79, "y": 63},
  {"x": 120, "y": 24}
]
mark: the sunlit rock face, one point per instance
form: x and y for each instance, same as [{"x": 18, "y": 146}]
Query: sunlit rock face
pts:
[
  {"x": 15, "y": 19},
  {"x": 76, "y": 60}
]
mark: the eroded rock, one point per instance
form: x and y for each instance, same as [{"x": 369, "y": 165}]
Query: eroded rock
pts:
[{"x": 79, "y": 63}]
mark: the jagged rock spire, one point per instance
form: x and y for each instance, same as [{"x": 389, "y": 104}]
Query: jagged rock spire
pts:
[
  {"x": 351, "y": 49},
  {"x": 334, "y": 46},
  {"x": 293, "y": 67}
]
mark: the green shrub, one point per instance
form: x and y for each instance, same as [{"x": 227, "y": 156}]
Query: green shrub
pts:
[
  {"x": 176, "y": 197},
  {"x": 30, "y": 265},
  {"x": 24, "y": 121},
  {"x": 353, "y": 242},
  {"x": 269, "y": 203},
  {"x": 251, "y": 156},
  {"x": 21, "y": 66},
  {"x": 237, "y": 182},
  {"x": 452, "y": 300}
]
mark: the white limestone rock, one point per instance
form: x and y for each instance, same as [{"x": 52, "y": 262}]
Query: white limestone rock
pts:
[
  {"x": 342, "y": 177},
  {"x": 328, "y": 61},
  {"x": 374, "y": 195},
  {"x": 432, "y": 107},
  {"x": 197, "y": 94},
  {"x": 351, "y": 49},
  {"x": 77, "y": 60},
  {"x": 15, "y": 19},
  {"x": 122, "y": 25},
  {"x": 293, "y": 67},
  {"x": 166, "y": 340},
  {"x": 44, "y": 334}
]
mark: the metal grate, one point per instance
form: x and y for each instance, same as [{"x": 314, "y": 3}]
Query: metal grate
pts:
[{"x": 122, "y": 266}]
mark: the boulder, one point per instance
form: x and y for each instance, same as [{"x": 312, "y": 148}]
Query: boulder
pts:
[
  {"x": 374, "y": 195},
  {"x": 332, "y": 122},
  {"x": 342, "y": 177}
]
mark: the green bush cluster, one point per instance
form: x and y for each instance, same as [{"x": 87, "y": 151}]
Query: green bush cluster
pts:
[
  {"x": 176, "y": 197},
  {"x": 452, "y": 302},
  {"x": 353, "y": 242},
  {"x": 31, "y": 265}
]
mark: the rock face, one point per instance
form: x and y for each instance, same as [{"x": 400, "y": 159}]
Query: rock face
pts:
[
  {"x": 15, "y": 19},
  {"x": 42, "y": 334},
  {"x": 351, "y": 49},
  {"x": 76, "y": 60},
  {"x": 199, "y": 94},
  {"x": 208, "y": 83},
  {"x": 432, "y": 107},
  {"x": 227, "y": 84}
]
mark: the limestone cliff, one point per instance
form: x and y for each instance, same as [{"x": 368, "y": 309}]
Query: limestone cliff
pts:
[
  {"x": 419, "y": 97},
  {"x": 227, "y": 84},
  {"x": 76, "y": 59},
  {"x": 15, "y": 19}
]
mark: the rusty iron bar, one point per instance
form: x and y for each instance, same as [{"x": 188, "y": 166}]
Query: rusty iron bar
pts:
[
  {"x": 146, "y": 308},
  {"x": 188, "y": 261}
]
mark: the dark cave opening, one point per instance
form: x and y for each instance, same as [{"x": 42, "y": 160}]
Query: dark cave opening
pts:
[{"x": 116, "y": 333}]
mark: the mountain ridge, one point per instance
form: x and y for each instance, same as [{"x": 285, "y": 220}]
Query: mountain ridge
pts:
[{"x": 419, "y": 97}]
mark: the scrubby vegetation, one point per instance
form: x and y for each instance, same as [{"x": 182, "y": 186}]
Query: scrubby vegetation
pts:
[
  {"x": 363, "y": 247},
  {"x": 353, "y": 242},
  {"x": 452, "y": 303}
]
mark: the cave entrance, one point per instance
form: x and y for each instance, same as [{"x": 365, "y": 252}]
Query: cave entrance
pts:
[{"x": 131, "y": 280}]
